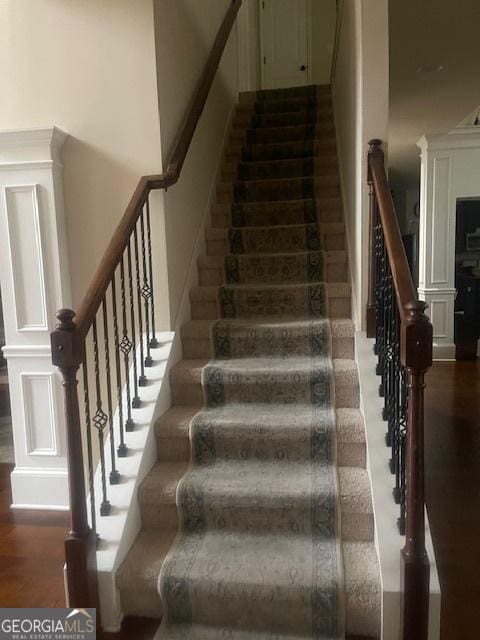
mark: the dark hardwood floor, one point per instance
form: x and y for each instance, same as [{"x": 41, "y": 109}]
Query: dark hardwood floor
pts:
[
  {"x": 31, "y": 542},
  {"x": 453, "y": 491},
  {"x": 31, "y": 553}
]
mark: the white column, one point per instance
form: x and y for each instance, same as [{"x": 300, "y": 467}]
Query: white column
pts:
[
  {"x": 35, "y": 282},
  {"x": 449, "y": 172}
]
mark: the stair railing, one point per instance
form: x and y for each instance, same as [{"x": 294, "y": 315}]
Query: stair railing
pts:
[
  {"x": 110, "y": 338},
  {"x": 397, "y": 320}
]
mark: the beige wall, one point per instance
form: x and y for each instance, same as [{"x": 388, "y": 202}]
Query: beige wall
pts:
[
  {"x": 185, "y": 31},
  {"x": 89, "y": 68},
  {"x": 360, "y": 94},
  {"x": 323, "y": 33}
]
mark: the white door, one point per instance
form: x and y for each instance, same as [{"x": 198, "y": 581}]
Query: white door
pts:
[{"x": 284, "y": 43}]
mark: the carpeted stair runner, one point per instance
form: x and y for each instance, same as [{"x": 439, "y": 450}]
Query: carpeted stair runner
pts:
[{"x": 274, "y": 540}]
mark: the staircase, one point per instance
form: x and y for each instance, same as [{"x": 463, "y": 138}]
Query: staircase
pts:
[{"x": 257, "y": 519}]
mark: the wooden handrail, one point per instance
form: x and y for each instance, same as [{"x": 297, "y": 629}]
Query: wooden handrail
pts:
[
  {"x": 69, "y": 351},
  {"x": 402, "y": 276},
  {"x": 409, "y": 346},
  {"x": 104, "y": 273}
]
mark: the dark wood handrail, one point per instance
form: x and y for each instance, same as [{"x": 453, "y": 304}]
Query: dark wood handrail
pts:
[
  {"x": 69, "y": 351},
  {"x": 402, "y": 276},
  {"x": 412, "y": 347},
  {"x": 104, "y": 273}
]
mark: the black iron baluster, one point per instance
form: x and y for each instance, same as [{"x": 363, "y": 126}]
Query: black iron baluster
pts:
[
  {"x": 126, "y": 347},
  {"x": 114, "y": 473},
  {"x": 377, "y": 291},
  {"x": 88, "y": 429},
  {"x": 122, "y": 447},
  {"x": 397, "y": 406},
  {"x": 136, "y": 397},
  {"x": 146, "y": 293},
  {"x": 100, "y": 420},
  {"x": 142, "y": 380},
  {"x": 153, "y": 340},
  {"x": 403, "y": 447}
]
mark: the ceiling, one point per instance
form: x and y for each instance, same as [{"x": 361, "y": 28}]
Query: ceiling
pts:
[{"x": 430, "y": 33}]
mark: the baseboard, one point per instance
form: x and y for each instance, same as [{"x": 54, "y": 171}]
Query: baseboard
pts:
[
  {"x": 388, "y": 540},
  {"x": 445, "y": 352},
  {"x": 48, "y": 482}
]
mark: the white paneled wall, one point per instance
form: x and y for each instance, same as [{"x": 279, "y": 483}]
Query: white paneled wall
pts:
[
  {"x": 35, "y": 284},
  {"x": 450, "y": 171}
]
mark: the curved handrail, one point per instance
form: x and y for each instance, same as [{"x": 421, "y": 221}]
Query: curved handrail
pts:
[{"x": 105, "y": 270}]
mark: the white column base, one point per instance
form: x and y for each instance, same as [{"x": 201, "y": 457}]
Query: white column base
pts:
[
  {"x": 35, "y": 283},
  {"x": 441, "y": 304},
  {"x": 47, "y": 482}
]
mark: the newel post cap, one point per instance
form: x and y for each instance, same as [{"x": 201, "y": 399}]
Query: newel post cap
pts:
[
  {"x": 65, "y": 348},
  {"x": 417, "y": 337}
]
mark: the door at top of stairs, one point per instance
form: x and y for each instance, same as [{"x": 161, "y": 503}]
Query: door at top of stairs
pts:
[{"x": 284, "y": 43}]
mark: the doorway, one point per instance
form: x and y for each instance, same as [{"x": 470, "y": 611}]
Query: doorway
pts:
[
  {"x": 285, "y": 43},
  {"x": 467, "y": 279}
]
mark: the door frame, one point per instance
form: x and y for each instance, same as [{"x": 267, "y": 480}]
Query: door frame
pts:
[{"x": 261, "y": 4}]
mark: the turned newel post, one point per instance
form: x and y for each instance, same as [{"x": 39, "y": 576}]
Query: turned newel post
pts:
[
  {"x": 374, "y": 151},
  {"x": 416, "y": 345},
  {"x": 80, "y": 546}
]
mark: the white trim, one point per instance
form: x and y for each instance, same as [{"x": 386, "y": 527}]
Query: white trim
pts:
[
  {"x": 19, "y": 273},
  {"x": 47, "y": 482},
  {"x": 26, "y": 351},
  {"x": 41, "y": 507},
  {"x": 26, "y": 166},
  {"x": 29, "y": 411},
  {"x": 35, "y": 283},
  {"x": 243, "y": 48},
  {"x": 388, "y": 540}
]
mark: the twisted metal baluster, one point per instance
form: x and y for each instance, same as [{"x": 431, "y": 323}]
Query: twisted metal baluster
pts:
[
  {"x": 136, "y": 397},
  {"x": 403, "y": 448},
  {"x": 397, "y": 413},
  {"x": 114, "y": 473},
  {"x": 146, "y": 293},
  {"x": 100, "y": 420},
  {"x": 122, "y": 447},
  {"x": 88, "y": 426},
  {"x": 126, "y": 347},
  {"x": 389, "y": 410},
  {"x": 153, "y": 341},
  {"x": 142, "y": 380}
]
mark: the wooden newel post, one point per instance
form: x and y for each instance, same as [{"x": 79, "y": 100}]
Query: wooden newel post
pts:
[
  {"x": 80, "y": 546},
  {"x": 416, "y": 345},
  {"x": 374, "y": 150}
]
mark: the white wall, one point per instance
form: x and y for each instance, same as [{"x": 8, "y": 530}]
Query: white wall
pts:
[
  {"x": 323, "y": 34},
  {"x": 360, "y": 96},
  {"x": 248, "y": 36},
  {"x": 87, "y": 67},
  {"x": 450, "y": 167},
  {"x": 184, "y": 33}
]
